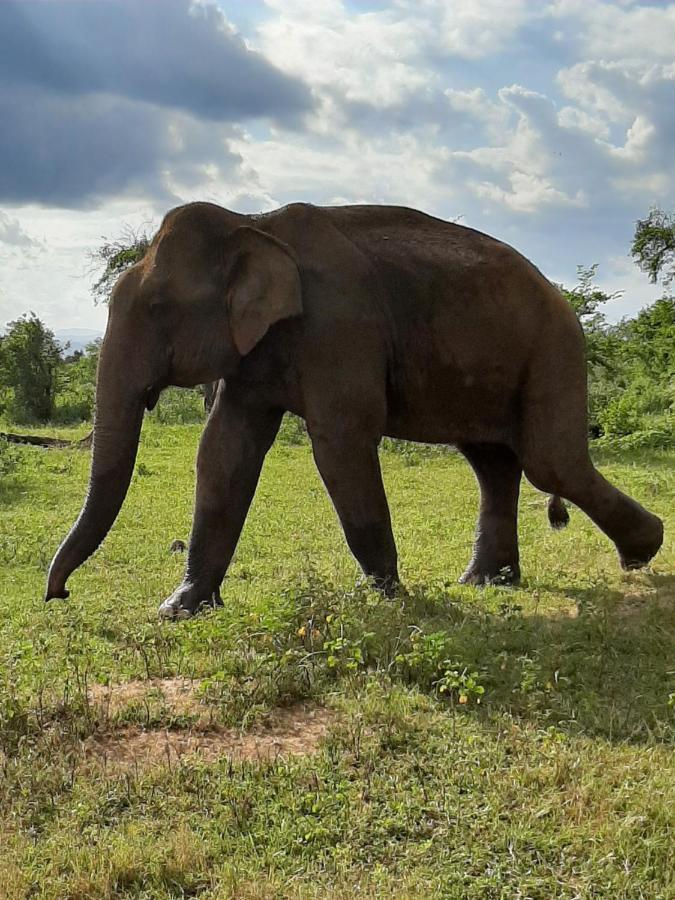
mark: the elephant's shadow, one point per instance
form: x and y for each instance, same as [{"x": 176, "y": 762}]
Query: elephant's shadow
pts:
[
  {"x": 601, "y": 665},
  {"x": 662, "y": 593}
]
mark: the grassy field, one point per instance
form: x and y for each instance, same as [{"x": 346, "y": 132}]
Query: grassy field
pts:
[{"x": 313, "y": 739}]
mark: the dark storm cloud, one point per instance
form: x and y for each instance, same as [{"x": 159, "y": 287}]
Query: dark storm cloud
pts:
[
  {"x": 165, "y": 52},
  {"x": 65, "y": 152},
  {"x": 88, "y": 91}
]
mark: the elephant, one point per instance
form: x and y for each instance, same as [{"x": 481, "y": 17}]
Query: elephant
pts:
[{"x": 365, "y": 321}]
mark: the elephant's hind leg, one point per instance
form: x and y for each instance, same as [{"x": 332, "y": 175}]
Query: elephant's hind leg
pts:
[
  {"x": 556, "y": 460},
  {"x": 495, "y": 553},
  {"x": 637, "y": 533}
]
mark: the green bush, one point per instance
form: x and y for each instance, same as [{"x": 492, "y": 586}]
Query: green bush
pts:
[
  {"x": 637, "y": 408},
  {"x": 179, "y": 406},
  {"x": 77, "y": 387},
  {"x": 29, "y": 363}
]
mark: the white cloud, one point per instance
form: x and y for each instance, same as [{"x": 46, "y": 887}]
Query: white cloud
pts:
[
  {"x": 12, "y": 234},
  {"x": 476, "y": 104},
  {"x": 528, "y": 193},
  {"x": 636, "y": 102},
  {"x": 398, "y": 169},
  {"x": 368, "y": 57},
  {"x": 627, "y": 30},
  {"x": 385, "y": 56},
  {"x": 55, "y": 281},
  {"x": 572, "y": 118},
  {"x": 620, "y": 275},
  {"x": 465, "y": 28}
]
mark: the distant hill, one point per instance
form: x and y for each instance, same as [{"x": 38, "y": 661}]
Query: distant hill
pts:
[{"x": 78, "y": 338}]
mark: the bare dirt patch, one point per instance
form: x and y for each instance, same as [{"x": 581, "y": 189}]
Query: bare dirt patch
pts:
[
  {"x": 180, "y": 695},
  {"x": 295, "y": 731}
]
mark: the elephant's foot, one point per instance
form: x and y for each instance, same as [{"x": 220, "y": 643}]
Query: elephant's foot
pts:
[
  {"x": 481, "y": 573},
  {"x": 389, "y": 586},
  {"x": 638, "y": 552},
  {"x": 186, "y": 602}
]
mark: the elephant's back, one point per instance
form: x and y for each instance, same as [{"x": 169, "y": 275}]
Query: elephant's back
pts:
[
  {"x": 442, "y": 263},
  {"x": 425, "y": 272},
  {"x": 441, "y": 267},
  {"x": 396, "y": 232}
]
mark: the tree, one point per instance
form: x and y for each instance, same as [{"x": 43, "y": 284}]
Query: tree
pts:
[
  {"x": 586, "y": 299},
  {"x": 605, "y": 346},
  {"x": 652, "y": 333},
  {"x": 29, "y": 360},
  {"x": 77, "y": 384},
  {"x": 653, "y": 247},
  {"x": 116, "y": 257}
]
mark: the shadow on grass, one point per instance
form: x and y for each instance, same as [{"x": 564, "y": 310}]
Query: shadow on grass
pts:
[
  {"x": 604, "y": 666},
  {"x": 661, "y": 592}
]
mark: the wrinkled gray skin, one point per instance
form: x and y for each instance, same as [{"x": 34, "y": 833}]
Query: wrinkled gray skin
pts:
[{"x": 366, "y": 321}]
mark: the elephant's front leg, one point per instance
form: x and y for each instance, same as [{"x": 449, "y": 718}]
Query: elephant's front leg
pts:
[
  {"x": 350, "y": 469},
  {"x": 231, "y": 453},
  {"x": 495, "y": 553}
]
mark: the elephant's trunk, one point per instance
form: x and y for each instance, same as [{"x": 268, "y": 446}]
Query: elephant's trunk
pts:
[{"x": 117, "y": 426}]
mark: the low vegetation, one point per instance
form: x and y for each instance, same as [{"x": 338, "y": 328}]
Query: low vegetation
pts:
[{"x": 312, "y": 738}]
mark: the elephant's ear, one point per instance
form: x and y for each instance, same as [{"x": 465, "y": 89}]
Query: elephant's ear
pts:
[{"x": 262, "y": 284}]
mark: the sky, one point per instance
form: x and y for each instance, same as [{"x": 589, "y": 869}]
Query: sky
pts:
[{"x": 547, "y": 123}]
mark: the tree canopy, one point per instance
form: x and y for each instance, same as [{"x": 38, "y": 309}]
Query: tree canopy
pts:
[
  {"x": 29, "y": 361},
  {"x": 114, "y": 257},
  {"x": 653, "y": 247}
]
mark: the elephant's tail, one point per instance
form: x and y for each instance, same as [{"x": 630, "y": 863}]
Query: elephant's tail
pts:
[{"x": 558, "y": 516}]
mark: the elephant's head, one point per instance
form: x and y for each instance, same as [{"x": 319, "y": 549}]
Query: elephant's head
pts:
[{"x": 206, "y": 293}]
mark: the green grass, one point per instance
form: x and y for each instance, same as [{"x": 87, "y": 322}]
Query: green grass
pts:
[{"x": 490, "y": 744}]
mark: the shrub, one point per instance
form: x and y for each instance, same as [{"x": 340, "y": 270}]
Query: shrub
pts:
[
  {"x": 77, "y": 386},
  {"x": 640, "y": 407},
  {"x": 29, "y": 361},
  {"x": 179, "y": 406}
]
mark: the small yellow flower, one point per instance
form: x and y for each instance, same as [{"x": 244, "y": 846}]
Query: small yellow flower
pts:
[
  {"x": 302, "y": 631},
  {"x": 463, "y": 699},
  {"x": 329, "y": 618},
  {"x": 316, "y": 634}
]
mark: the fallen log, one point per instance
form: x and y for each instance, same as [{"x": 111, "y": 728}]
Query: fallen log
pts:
[{"x": 47, "y": 442}]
